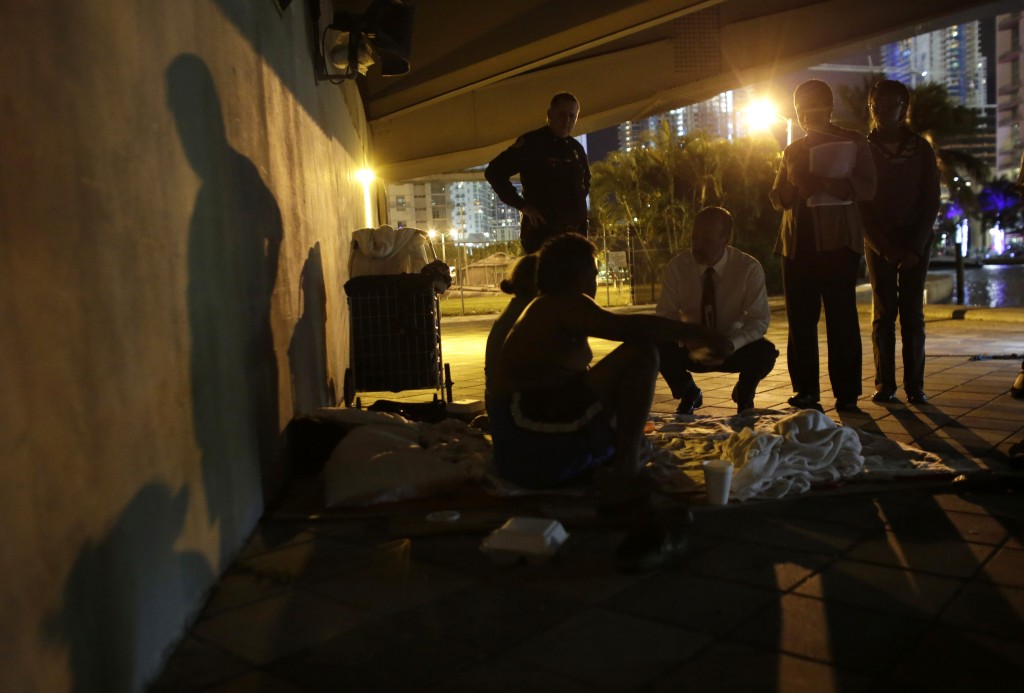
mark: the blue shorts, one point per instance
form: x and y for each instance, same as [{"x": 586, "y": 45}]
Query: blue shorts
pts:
[{"x": 537, "y": 452}]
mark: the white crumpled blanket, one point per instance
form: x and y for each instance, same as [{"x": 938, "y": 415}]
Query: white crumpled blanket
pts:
[
  {"x": 776, "y": 454},
  {"x": 387, "y": 458},
  {"x": 805, "y": 448}
]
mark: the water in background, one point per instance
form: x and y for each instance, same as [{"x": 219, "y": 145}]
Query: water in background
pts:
[{"x": 992, "y": 286}]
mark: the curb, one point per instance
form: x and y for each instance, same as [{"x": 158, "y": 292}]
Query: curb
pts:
[{"x": 932, "y": 311}]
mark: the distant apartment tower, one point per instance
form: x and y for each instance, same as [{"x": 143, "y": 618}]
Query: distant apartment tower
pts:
[
  {"x": 420, "y": 204},
  {"x": 950, "y": 56},
  {"x": 478, "y": 214},
  {"x": 1009, "y": 94},
  {"x": 716, "y": 117},
  {"x": 463, "y": 202},
  {"x": 505, "y": 219}
]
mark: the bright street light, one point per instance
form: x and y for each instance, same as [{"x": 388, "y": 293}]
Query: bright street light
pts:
[
  {"x": 761, "y": 113},
  {"x": 432, "y": 234},
  {"x": 366, "y": 177}
]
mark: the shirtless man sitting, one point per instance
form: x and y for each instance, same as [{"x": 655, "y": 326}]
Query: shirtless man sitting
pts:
[{"x": 556, "y": 419}]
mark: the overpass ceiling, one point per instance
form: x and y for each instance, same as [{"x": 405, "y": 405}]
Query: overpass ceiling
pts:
[{"x": 482, "y": 72}]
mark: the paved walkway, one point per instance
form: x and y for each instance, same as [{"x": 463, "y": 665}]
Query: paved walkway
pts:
[{"x": 908, "y": 587}]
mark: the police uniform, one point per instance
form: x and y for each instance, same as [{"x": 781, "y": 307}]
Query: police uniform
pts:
[{"x": 556, "y": 180}]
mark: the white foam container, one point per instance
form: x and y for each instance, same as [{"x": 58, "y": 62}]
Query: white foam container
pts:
[{"x": 534, "y": 538}]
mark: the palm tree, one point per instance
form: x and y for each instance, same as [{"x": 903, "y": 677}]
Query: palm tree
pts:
[
  {"x": 653, "y": 191},
  {"x": 622, "y": 197},
  {"x": 1001, "y": 202},
  {"x": 855, "y": 115},
  {"x": 937, "y": 118}
]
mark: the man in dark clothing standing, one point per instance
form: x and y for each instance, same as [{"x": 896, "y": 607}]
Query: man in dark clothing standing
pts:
[
  {"x": 821, "y": 178},
  {"x": 555, "y": 174},
  {"x": 898, "y": 236}
]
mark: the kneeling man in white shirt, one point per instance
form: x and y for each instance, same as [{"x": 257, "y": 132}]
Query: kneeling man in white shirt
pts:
[{"x": 722, "y": 288}]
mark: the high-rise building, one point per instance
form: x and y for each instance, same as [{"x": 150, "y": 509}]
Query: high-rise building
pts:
[
  {"x": 477, "y": 213},
  {"x": 954, "y": 58},
  {"x": 950, "y": 56},
  {"x": 1009, "y": 94},
  {"x": 408, "y": 205},
  {"x": 981, "y": 144},
  {"x": 716, "y": 117},
  {"x": 463, "y": 202}
]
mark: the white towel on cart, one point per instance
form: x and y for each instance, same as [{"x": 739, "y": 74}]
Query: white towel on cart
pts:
[{"x": 386, "y": 250}]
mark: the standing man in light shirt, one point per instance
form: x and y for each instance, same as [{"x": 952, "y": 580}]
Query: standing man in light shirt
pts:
[{"x": 723, "y": 289}]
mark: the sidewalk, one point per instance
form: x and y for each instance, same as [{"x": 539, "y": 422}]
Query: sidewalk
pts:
[{"x": 909, "y": 587}]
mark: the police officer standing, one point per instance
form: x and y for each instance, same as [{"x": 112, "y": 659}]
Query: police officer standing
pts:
[{"x": 554, "y": 172}]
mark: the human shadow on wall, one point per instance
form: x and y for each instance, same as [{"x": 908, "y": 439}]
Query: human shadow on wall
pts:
[
  {"x": 234, "y": 239},
  {"x": 312, "y": 387},
  {"x": 123, "y": 599}
]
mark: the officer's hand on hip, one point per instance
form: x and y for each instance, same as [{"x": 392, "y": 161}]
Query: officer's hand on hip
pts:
[{"x": 533, "y": 214}]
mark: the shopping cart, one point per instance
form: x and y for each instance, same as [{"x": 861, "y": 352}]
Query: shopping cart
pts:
[{"x": 395, "y": 336}]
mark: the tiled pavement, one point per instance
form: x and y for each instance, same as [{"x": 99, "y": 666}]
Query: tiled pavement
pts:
[{"x": 907, "y": 587}]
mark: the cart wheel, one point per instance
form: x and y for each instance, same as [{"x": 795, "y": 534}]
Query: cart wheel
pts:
[
  {"x": 448, "y": 382},
  {"x": 348, "y": 388}
]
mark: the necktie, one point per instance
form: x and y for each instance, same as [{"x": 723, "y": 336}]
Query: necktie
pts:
[{"x": 707, "y": 299}]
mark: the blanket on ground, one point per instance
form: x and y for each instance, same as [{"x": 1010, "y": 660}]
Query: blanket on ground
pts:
[
  {"x": 777, "y": 454},
  {"x": 388, "y": 458}
]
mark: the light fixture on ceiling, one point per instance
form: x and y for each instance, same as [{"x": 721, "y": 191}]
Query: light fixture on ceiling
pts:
[{"x": 351, "y": 43}]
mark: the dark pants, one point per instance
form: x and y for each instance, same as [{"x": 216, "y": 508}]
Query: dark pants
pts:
[
  {"x": 828, "y": 278},
  {"x": 752, "y": 361},
  {"x": 532, "y": 237},
  {"x": 897, "y": 292}
]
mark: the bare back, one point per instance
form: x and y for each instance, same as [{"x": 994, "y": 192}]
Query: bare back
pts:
[{"x": 547, "y": 345}]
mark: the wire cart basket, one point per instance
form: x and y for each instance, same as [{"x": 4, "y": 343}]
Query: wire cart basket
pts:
[{"x": 395, "y": 336}]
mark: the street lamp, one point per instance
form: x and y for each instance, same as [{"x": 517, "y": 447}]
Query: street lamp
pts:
[
  {"x": 432, "y": 234},
  {"x": 366, "y": 177},
  {"x": 460, "y": 264},
  {"x": 761, "y": 113}
]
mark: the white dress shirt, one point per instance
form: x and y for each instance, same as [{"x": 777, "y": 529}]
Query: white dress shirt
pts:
[{"x": 741, "y": 300}]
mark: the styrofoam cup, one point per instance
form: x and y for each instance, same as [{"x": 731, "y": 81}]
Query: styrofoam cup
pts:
[{"x": 717, "y": 481}]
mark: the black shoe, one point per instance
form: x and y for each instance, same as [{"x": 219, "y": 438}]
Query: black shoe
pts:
[
  {"x": 805, "y": 402},
  {"x": 884, "y": 395},
  {"x": 917, "y": 397},
  {"x": 694, "y": 399},
  {"x": 1017, "y": 389},
  {"x": 847, "y": 405},
  {"x": 743, "y": 397}
]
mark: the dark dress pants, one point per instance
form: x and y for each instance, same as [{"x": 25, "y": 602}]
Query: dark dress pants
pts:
[
  {"x": 830, "y": 279},
  {"x": 752, "y": 361},
  {"x": 532, "y": 237},
  {"x": 897, "y": 292}
]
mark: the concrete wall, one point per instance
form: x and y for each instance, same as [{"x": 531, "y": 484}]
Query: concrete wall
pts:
[{"x": 176, "y": 195}]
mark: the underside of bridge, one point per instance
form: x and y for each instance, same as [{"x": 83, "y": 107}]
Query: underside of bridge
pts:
[{"x": 482, "y": 72}]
